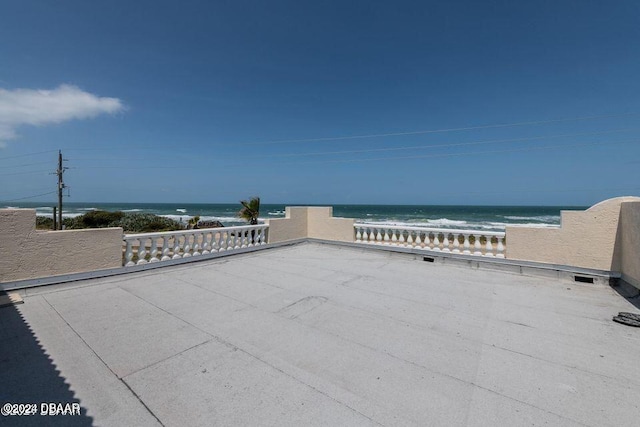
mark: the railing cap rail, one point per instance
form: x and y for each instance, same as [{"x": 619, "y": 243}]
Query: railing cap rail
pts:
[
  {"x": 431, "y": 229},
  {"x": 195, "y": 231}
]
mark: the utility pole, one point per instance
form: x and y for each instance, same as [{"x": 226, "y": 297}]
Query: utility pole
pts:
[{"x": 59, "y": 172}]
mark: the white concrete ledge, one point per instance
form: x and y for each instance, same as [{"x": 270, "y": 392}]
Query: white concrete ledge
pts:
[
  {"x": 528, "y": 268},
  {"x": 69, "y": 278}
]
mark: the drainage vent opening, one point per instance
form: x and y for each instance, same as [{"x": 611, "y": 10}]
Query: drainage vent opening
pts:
[
  {"x": 428, "y": 259},
  {"x": 583, "y": 279}
]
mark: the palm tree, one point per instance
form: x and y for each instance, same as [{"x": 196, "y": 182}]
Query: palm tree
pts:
[
  {"x": 250, "y": 210},
  {"x": 193, "y": 222}
]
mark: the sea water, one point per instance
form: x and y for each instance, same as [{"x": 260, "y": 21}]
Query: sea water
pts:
[{"x": 490, "y": 218}]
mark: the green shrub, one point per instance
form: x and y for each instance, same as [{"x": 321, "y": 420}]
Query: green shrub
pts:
[
  {"x": 131, "y": 222},
  {"x": 44, "y": 223},
  {"x": 147, "y": 223},
  {"x": 101, "y": 219}
]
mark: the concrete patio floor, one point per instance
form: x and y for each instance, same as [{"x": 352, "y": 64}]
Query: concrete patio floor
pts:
[{"x": 316, "y": 334}]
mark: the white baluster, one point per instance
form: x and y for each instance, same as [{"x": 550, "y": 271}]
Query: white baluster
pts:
[
  {"x": 445, "y": 242},
  {"x": 465, "y": 245},
  {"x": 206, "y": 242},
  {"x": 128, "y": 254},
  {"x": 386, "y": 237},
  {"x": 234, "y": 241},
  {"x": 176, "y": 247},
  {"x": 418, "y": 241},
  {"x": 456, "y": 244},
  {"x": 222, "y": 240},
  {"x": 378, "y": 237},
  {"x": 500, "y": 250},
  {"x": 477, "y": 246},
  {"x": 410, "y": 238},
  {"x": 394, "y": 238},
  {"x": 196, "y": 243},
  {"x": 489, "y": 248},
  {"x": 358, "y": 234},
  {"x": 428, "y": 243},
  {"x": 215, "y": 241},
  {"x": 263, "y": 235},
  {"x": 154, "y": 250},
  {"x": 436, "y": 241},
  {"x": 186, "y": 249},
  {"x": 401, "y": 241},
  {"x": 142, "y": 251},
  {"x": 165, "y": 249}
]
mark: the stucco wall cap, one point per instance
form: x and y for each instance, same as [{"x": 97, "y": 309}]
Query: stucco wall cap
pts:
[{"x": 612, "y": 202}]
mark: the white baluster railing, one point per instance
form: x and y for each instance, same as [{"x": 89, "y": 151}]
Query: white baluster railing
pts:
[
  {"x": 158, "y": 247},
  {"x": 468, "y": 242}
]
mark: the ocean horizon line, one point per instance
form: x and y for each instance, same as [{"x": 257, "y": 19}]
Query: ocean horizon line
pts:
[{"x": 475, "y": 217}]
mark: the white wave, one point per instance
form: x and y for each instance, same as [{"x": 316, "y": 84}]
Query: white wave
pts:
[
  {"x": 534, "y": 225},
  {"x": 179, "y": 218},
  {"x": 276, "y": 213},
  {"x": 11, "y": 207},
  {"x": 223, "y": 219},
  {"x": 88, "y": 209},
  {"x": 44, "y": 208},
  {"x": 445, "y": 221},
  {"x": 133, "y": 210},
  {"x": 427, "y": 223},
  {"x": 541, "y": 218},
  {"x": 181, "y": 210}
]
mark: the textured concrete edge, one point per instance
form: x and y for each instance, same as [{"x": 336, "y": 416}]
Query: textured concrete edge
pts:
[
  {"x": 528, "y": 268},
  {"x": 97, "y": 274}
]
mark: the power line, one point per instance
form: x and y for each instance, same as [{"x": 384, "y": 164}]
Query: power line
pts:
[
  {"x": 381, "y": 135},
  {"x": 25, "y": 173},
  {"x": 27, "y": 154},
  {"x": 412, "y": 147},
  {"x": 549, "y": 147},
  {"x": 24, "y": 165},
  {"x": 538, "y": 148},
  {"x": 422, "y": 132},
  {"x": 455, "y": 144},
  {"x": 30, "y": 197}
]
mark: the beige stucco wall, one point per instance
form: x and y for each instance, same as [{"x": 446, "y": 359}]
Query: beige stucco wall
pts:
[
  {"x": 27, "y": 253},
  {"x": 585, "y": 239},
  {"x": 322, "y": 225},
  {"x": 629, "y": 237},
  {"x": 315, "y": 222},
  {"x": 293, "y": 226}
]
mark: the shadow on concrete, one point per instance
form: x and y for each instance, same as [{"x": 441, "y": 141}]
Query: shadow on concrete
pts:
[
  {"x": 627, "y": 291},
  {"x": 28, "y": 375},
  {"x": 624, "y": 289}
]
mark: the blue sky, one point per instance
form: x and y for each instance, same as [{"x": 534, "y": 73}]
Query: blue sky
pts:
[{"x": 164, "y": 101}]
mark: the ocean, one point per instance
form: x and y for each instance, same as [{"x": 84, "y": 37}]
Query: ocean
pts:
[{"x": 491, "y": 218}]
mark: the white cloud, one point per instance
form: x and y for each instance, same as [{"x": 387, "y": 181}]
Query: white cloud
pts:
[{"x": 20, "y": 107}]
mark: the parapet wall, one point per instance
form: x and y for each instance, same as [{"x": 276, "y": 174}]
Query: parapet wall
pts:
[
  {"x": 588, "y": 239},
  {"x": 629, "y": 236},
  {"x": 27, "y": 253},
  {"x": 303, "y": 222},
  {"x": 605, "y": 237}
]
